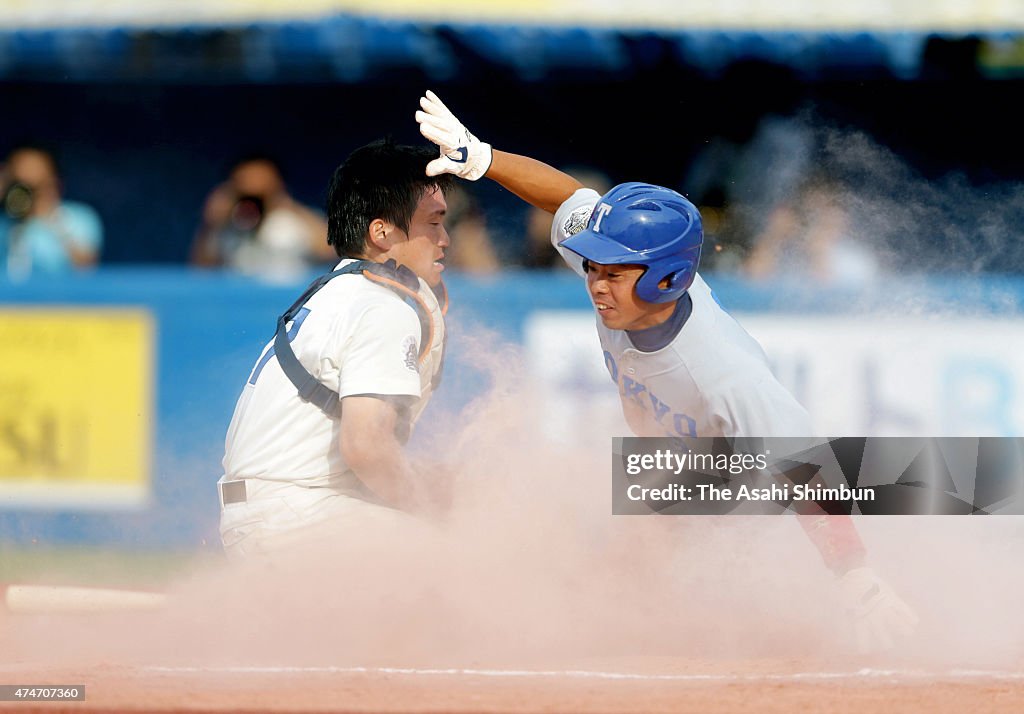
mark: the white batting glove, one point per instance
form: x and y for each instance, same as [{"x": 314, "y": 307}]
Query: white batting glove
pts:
[
  {"x": 880, "y": 618},
  {"x": 462, "y": 153}
]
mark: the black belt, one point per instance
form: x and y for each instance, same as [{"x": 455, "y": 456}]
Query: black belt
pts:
[{"x": 232, "y": 492}]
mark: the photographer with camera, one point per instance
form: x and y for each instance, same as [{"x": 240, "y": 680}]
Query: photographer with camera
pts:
[
  {"x": 251, "y": 224},
  {"x": 40, "y": 233}
]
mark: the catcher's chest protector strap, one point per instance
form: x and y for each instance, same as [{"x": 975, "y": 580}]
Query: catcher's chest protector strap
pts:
[{"x": 398, "y": 278}]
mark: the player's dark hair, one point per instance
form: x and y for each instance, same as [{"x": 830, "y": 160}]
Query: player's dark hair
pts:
[{"x": 380, "y": 180}]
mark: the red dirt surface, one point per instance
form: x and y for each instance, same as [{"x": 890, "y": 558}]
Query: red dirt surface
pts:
[{"x": 764, "y": 687}]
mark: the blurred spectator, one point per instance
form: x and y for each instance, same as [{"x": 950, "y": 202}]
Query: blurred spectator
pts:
[
  {"x": 809, "y": 237},
  {"x": 471, "y": 249},
  {"x": 253, "y": 225},
  {"x": 39, "y": 231},
  {"x": 539, "y": 251},
  {"x": 740, "y": 177}
]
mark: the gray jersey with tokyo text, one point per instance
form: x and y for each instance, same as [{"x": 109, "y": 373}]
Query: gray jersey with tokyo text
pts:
[{"x": 711, "y": 380}]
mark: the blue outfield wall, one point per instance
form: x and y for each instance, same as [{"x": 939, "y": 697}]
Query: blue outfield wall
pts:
[{"x": 210, "y": 328}]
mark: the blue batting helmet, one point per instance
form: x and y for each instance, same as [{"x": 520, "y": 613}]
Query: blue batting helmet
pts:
[{"x": 642, "y": 224}]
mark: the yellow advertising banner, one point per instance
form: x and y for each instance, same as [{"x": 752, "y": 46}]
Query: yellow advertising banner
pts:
[{"x": 76, "y": 407}]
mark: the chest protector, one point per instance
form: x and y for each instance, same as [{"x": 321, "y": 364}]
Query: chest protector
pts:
[{"x": 430, "y": 306}]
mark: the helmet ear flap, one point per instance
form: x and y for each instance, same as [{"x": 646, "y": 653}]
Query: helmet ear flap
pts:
[
  {"x": 649, "y": 288},
  {"x": 681, "y": 280}
]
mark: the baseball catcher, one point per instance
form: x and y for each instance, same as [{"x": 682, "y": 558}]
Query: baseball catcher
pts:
[{"x": 317, "y": 433}]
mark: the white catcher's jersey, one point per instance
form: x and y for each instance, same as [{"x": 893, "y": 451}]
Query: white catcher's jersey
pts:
[
  {"x": 356, "y": 337},
  {"x": 711, "y": 380}
]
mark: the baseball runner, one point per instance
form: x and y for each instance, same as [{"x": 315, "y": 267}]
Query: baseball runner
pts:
[
  {"x": 683, "y": 366},
  {"x": 317, "y": 434}
]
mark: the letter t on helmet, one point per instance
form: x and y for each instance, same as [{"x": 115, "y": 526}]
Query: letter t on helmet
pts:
[{"x": 652, "y": 226}]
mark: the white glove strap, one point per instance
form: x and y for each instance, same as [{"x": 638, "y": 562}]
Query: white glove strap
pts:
[{"x": 473, "y": 159}]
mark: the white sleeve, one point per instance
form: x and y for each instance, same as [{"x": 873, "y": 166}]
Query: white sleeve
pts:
[
  {"x": 570, "y": 218},
  {"x": 381, "y": 355}
]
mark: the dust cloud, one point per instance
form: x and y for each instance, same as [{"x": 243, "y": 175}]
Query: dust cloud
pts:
[
  {"x": 529, "y": 570},
  {"x": 903, "y": 218}
]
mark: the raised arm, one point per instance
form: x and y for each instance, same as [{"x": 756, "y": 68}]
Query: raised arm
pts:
[
  {"x": 533, "y": 181},
  {"x": 463, "y": 155}
]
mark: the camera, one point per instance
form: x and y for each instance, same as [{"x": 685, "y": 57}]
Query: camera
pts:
[
  {"x": 247, "y": 214},
  {"x": 17, "y": 200}
]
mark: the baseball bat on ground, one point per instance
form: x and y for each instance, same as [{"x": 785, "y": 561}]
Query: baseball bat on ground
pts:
[{"x": 64, "y": 599}]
